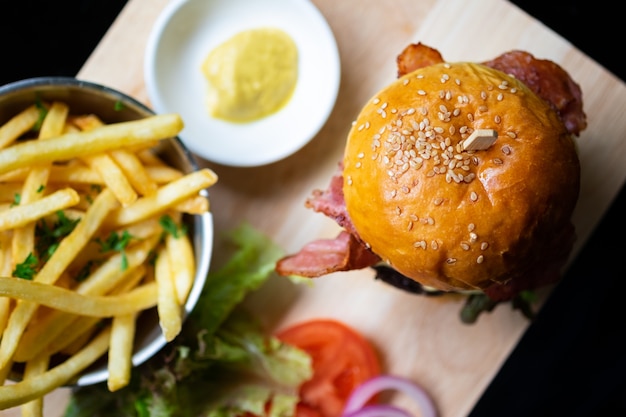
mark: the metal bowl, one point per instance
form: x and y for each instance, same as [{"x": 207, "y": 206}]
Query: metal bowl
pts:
[{"x": 113, "y": 106}]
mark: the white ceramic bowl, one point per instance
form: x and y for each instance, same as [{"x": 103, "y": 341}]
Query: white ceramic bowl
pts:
[
  {"x": 184, "y": 34},
  {"x": 84, "y": 98}
]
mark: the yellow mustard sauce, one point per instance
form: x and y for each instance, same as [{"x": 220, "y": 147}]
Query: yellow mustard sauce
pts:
[{"x": 251, "y": 75}]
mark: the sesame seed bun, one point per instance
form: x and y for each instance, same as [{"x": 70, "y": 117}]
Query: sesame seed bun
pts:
[{"x": 456, "y": 219}]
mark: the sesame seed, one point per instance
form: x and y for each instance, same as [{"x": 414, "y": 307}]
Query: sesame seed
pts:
[
  {"x": 420, "y": 244},
  {"x": 484, "y": 245},
  {"x": 434, "y": 245},
  {"x": 473, "y": 196},
  {"x": 421, "y": 92},
  {"x": 480, "y": 259},
  {"x": 451, "y": 261},
  {"x": 473, "y": 237},
  {"x": 471, "y": 227},
  {"x": 512, "y": 135},
  {"x": 465, "y": 246},
  {"x": 376, "y": 100}
]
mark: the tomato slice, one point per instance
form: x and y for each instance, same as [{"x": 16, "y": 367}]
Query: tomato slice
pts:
[{"x": 342, "y": 360}]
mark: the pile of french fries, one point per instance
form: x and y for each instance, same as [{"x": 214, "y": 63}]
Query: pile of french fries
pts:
[{"x": 91, "y": 235}]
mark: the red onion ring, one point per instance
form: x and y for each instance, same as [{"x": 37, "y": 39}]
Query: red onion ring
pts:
[
  {"x": 361, "y": 394},
  {"x": 378, "y": 411}
]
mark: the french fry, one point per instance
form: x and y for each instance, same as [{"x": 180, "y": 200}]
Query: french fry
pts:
[
  {"x": 195, "y": 205},
  {"x": 113, "y": 177},
  {"x": 18, "y": 125},
  {"x": 23, "y": 214},
  {"x": 120, "y": 351},
  {"x": 182, "y": 264},
  {"x": 134, "y": 171},
  {"x": 54, "y": 122},
  {"x": 168, "y": 307},
  {"x": 112, "y": 174},
  {"x": 33, "y": 388},
  {"x": 86, "y": 121},
  {"x": 163, "y": 174},
  {"x": 69, "y": 301},
  {"x": 6, "y": 266},
  {"x": 165, "y": 197},
  {"x": 37, "y": 179},
  {"x": 34, "y": 369},
  {"x": 72, "y": 145}
]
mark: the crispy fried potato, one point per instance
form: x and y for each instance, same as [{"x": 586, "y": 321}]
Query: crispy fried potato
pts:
[{"x": 81, "y": 211}]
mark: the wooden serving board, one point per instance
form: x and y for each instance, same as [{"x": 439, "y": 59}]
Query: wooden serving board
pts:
[{"x": 417, "y": 337}]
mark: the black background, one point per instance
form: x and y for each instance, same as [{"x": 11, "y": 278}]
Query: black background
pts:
[{"x": 572, "y": 359}]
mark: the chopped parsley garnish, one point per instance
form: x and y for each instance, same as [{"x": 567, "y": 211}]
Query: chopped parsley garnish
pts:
[
  {"x": 17, "y": 198},
  {"x": 26, "y": 269},
  {"x": 118, "y": 106},
  {"x": 43, "y": 112},
  {"x": 48, "y": 237},
  {"x": 116, "y": 242},
  {"x": 41, "y": 188},
  {"x": 169, "y": 226},
  {"x": 85, "y": 271}
]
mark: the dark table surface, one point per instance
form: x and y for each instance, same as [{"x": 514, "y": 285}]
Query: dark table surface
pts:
[{"x": 572, "y": 359}]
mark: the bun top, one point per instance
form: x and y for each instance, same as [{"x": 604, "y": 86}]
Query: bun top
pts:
[{"x": 452, "y": 218}]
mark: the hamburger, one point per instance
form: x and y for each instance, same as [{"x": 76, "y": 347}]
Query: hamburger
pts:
[{"x": 458, "y": 176}]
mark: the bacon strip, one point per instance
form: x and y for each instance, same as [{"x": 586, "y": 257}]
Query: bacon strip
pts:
[
  {"x": 417, "y": 55},
  {"x": 323, "y": 256},
  {"x": 331, "y": 202},
  {"x": 550, "y": 82}
]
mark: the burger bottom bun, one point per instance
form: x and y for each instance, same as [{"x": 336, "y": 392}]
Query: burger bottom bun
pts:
[{"x": 450, "y": 218}]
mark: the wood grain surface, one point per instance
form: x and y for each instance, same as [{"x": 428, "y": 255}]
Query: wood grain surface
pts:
[{"x": 418, "y": 337}]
